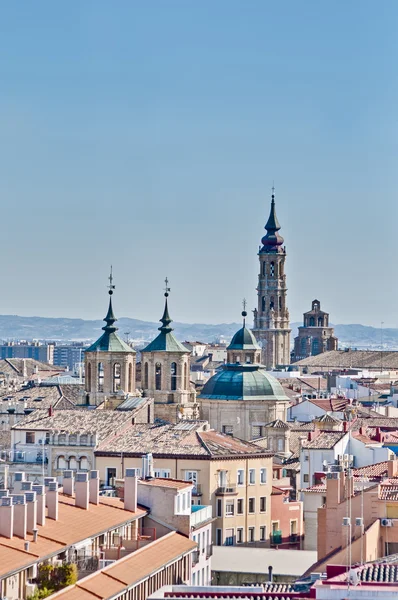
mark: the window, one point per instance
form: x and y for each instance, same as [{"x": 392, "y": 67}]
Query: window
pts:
[
  {"x": 116, "y": 377},
  {"x": 229, "y": 508},
  {"x": 61, "y": 463},
  {"x": 222, "y": 478},
  {"x": 158, "y": 376},
  {"x": 280, "y": 302},
  {"x": 239, "y": 535},
  {"x": 173, "y": 375},
  {"x": 257, "y": 431},
  {"x": 193, "y": 578},
  {"x": 306, "y": 457},
  {"x": 272, "y": 269},
  {"x": 251, "y": 535},
  {"x": 73, "y": 439},
  {"x": 219, "y": 507},
  {"x": 73, "y": 464},
  {"x": 30, "y": 437},
  {"x": 84, "y": 466},
  {"x": 272, "y": 303},
  {"x": 191, "y": 476},
  {"x": 252, "y": 476},
  {"x": 83, "y": 440},
  {"x": 312, "y": 322},
  {"x": 186, "y": 377},
  {"x": 281, "y": 445},
  {"x": 315, "y": 346},
  {"x": 228, "y": 429},
  {"x": 146, "y": 376},
  {"x": 263, "y": 504},
  {"x": 239, "y": 506},
  {"x": 306, "y": 478},
  {"x": 263, "y": 533},
  {"x": 252, "y": 505},
  {"x": 263, "y": 301},
  {"x": 240, "y": 477},
  {"x": 248, "y": 359},
  {"x": 88, "y": 378},
  {"x": 218, "y": 537},
  {"x": 293, "y": 527},
  {"x": 100, "y": 383},
  {"x": 270, "y": 443},
  {"x": 130, "y": 377},
  {"x": 229, "y": 537},
  {"x": 62, "y": 439},
  {"x": 263, "y": 475}
]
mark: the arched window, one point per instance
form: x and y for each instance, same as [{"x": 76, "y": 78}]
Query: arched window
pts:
[
  {"x": 100, "y": 377},
  {"x": 303, "y": 345},
  {"x": 61, "y": 463},
  {"x": 312, "y": 322},
  {"x": 281, "y": 445},
  {"x": 264, "y": 268},
  {"x": 272, "y": 269},
  {"x": 116, "y": 377},
  {"x": 315, "y": 346},
  {"x": 73, "y": 463},
  {"x": 158, "y": 376},
  {"x": 130, "y": 377},
  {"x": 186, "y": 376},
  {"x": 73, "y": 439},
  {"x": 88, "y": 378},
  {"x": 62, "y": 439},
  {"x": 280, "y": 302},
  {"x": 271, "y": 303},
  {"x": 263, "y": 301},
  {"x": 83, "y": 463},
  {"x": 270, "y": 443},
  {"x": 146, "y": 376},
  {"x": 320, "y": 322},
  {"x": 173, "y": 374}
]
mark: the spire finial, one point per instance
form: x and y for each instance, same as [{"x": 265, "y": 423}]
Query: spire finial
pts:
[
  {"x": 166, "y": 320},
  {"x": 272, "y": 241},
  {"x": 110, "y": 317},
  {"x": 244, "y": 313}
]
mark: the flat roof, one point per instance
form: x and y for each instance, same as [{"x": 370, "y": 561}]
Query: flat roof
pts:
[
  {"x": 257, "y": 560},
  {"x": 166, "y": 482}
]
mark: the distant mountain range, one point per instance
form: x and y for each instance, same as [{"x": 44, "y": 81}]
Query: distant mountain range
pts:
[{"x": 13, "y": 327}]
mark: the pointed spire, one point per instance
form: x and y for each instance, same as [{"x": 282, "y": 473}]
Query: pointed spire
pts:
[
  {"x": 272, "y": 240},
  {"x": 244, "y": 313},
  {"x": 166, "y": 320},
  {"x": 110, "y": 318}
]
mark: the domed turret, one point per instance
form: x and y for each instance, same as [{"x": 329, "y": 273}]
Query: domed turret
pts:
[
  {"x": 243, "y": 347},
  {"x": 272, "y": 241}
]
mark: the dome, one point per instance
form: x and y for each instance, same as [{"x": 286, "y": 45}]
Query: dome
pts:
[
  {"x": 243, "y": 382},
  {"x": 243, "y": 340}
]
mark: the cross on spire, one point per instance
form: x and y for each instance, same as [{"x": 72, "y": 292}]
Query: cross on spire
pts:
[
  {"x": 111, "y": 287},
  {"x": 244, "y": 303},
  {"x": 166, "y": 289}
]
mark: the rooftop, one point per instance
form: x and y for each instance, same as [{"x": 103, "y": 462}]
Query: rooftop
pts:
[
  {"x": 175, "y": 484},
  {"x": 243, "y": 382},
  {"x": 58, "y": 396},
  {"x": 256, "y": 560},
  {"x": 186, "y": 438},
  {"x": 324, "y": 440},
  {"x": 353, "y": 359},
  {"x": 129, "y": 570},
  {"x": 16, "y": 367}
]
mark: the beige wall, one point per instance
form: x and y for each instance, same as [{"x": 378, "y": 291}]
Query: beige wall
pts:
[{"x": 208, "y": 480}]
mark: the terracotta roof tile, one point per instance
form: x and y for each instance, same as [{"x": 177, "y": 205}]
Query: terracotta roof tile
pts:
[
  {"x": 167, "y": 483},
  {"x": 325, "y": 439}
]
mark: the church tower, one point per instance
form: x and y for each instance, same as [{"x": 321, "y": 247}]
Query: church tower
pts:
[
  {"x": 109, "y": 364},
  {"x": 271, "y": 317}
]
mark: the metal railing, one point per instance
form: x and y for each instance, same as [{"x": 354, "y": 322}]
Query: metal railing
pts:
[{"x": 227, "y": 489}]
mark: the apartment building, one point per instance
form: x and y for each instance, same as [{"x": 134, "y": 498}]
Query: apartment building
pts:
[{"x": 232, "y": 476}]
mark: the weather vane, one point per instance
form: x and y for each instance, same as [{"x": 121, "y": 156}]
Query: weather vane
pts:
[{"x": 111, "y": 287}]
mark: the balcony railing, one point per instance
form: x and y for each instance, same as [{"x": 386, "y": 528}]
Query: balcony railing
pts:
[
  {"x": 225, "y": 490},
  {"x": 209, "y": 550},
  {"x": 19, "y": 456},
  {"x": 195, "y": 557},
  {"x": 200, "y": 514},
  {"x": 294, "y": 538},
  {"x": 197, "y": 489}
]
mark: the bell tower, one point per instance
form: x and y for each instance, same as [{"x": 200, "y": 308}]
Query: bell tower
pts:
[{"x": 271, "y": 317}]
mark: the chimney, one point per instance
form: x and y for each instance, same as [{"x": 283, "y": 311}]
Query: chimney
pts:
[
  {"x": 68, "y": 483},
  {"x": 52, "y": 500},
  {"x": 24, "y": 370},
  {"x": 18, "y": 479},
  {"x": 20, "y": 515},
  {"x": 51, "y": 411},
  {"x": 47, "y": 481},
  {"x": 130, "y": 490},
  {"x": 31, "y": 511},
  {"x": 26, "y": 486},
  {"x": 35, "y": 534},
  {"x": 6, "y": 517},
  {"x": 4, "y": 493},
  {"x": 94, "y": 487},
  {"x": 392, "y": 469},
  {"x": 81, "y": 491},
  {"x": 41, "y": 503}
]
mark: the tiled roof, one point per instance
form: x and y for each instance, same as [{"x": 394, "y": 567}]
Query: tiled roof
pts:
[
  {"x": 324, "y": 440},
  {"x": 73, "y": 525},
  {"x": 331, "y": 404},
  {"x": 372, "y": 472},
  {"x": 278, "y": 424},
  {"x": 326, "y": 418},
  {"x": 110, "y": 342},
  {"x": 130, "y": 570},
  {"x": 175, "y": 484},
  {"x": 16, "y": 366},
  {"x": 319, "y": 488},
  {"x": 387, "y": 423},
  {"x": 185, "y": 438},
  {"x": 353, "y": 359},
  {"x": 387, "y": 573},
  {"x": 82, "y": 421},
  {"x": 40, "y": 397}
]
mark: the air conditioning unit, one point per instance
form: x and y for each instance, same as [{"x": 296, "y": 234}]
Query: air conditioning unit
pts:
[
  {"x": 358, "y": 522},
  {"x": 30, "y": 589},
  {"x": 346, "y": 521},
  {"x": 386, "y": 522}
]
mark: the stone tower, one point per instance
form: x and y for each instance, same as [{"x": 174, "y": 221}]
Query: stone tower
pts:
[
  {"x": 109, "y": 364},
  {"x": 315, "y": 336},
  {"x": 165, "y": 374},
  {"x": 271, "y": 317}
]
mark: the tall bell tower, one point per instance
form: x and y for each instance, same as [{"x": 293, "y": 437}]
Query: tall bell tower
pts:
[{"x": 271, "y": 317}]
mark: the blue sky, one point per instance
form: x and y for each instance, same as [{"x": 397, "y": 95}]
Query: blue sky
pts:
[{"x": 148, "y": 134}]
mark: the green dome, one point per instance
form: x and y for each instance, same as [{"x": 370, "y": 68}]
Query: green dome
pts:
[
  {"x": 243, "y": 340},
  {"x": 243, "y": 382}
]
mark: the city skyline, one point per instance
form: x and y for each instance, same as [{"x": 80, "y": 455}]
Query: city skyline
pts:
[{"x": 152, "y": 142}]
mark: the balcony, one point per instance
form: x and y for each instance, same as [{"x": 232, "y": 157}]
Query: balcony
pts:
[
  {"x": 209, "y": 550},
  {"x": 229, "y": 490},
  {"x": 197, "y": 489},
  {"x": 200, "y": 514},
  {"x": 27, "y": 457},
  {"x": 195, "y": 557},
  {"x": 276, "y": 537},
  {"x": 294, "y": 538}
]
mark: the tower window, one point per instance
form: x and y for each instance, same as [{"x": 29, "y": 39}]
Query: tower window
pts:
[
  {"x": 88, "y": 378},
  {"x": 100, "y": 377},
  {"x": 280, "y": 302},
  {"x": 263, "y": 301},
  {"x": 315, "y": 346},
  {"x": 272, "y": 303},
  {"x": 320, "y": 322},
  {"x": 264, "y": 268},
  {"x": 186, "y": 379},
  {"x": 173, "y": 374},
  {"x": 272, "y": 269},
  {"x": 130, "y": 377},
  {"x": 116, "y": 377},
  {"x": 158, "y": 376},
  {"x": 312, "y": 322},
  {"x": 146, "y": 376}
]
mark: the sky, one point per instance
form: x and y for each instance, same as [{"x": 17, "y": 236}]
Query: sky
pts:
[{"x": 147, "y": 135}]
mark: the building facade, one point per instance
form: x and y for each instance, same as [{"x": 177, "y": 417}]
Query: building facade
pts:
[
  {"x": 271, "y": 317},
  {"x": 315, "y": 336}
]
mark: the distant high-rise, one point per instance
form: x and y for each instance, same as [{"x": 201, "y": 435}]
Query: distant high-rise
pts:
[{"x": 271, "y": 317}]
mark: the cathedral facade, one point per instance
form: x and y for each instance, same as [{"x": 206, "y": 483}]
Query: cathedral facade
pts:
[{"x": 271, "y": 317}]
